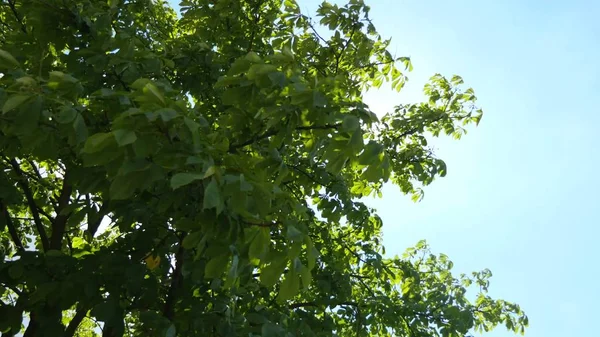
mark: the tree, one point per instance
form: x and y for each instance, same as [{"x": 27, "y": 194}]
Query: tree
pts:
[{"x": 201, "y": 174}]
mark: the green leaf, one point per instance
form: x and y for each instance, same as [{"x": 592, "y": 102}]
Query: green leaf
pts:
[
  {"x": 350, "y": 123},
  {"x": 26, "y": 81},
  {"x": 319, "y": 100},
  {"x": 305, "y": 274},
  {"x": 255, "y": 318},
  {"x": 106, "y": 311},
  {"x": 124, "y": 137},
  {"x": 98, "y": 142},
  {"x": 370, "y": 154},
  {"x": 311, "y": 253},
  {"x": 245, "y": 186},
  {"x": 182, "y": 179},
  {"x": 278, "y": 78},
  {"x": 81, "y": 130},
  {"x": 171, "y": 331},
  {"x": 66, "y": 115},
  {"x": 16, "y": 271},
  {"x": 233, "y": 272},
  {"x": 253, "y": 57},
  {"x": 216, "y": 266},
  {"x": 14, "y": 102},
  {"x": 192, "y": 240},
  {"x": 271, "y": 330},
  {"x": 167, "y": 114},
  {"x": 260, "y": 69},
  {"x": 209, "y": 172},
  {"x": 151, "y": 89},
  {"x": 121, "y": 188},
  {"x": 7, "y": 61},
  {"x": 140, "y": 83},
  {"x": 270, "y": 274},
  {"x": 293, "y": 233},
  {"x": 239, "y": 66},
  {"x": 212, "y": 197},
  {"x": 289, "y": 287},
  {"x": 260, "y": 244}
]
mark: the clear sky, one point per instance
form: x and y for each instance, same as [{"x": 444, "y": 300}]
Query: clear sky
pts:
[{"x": 521, "y": 196}]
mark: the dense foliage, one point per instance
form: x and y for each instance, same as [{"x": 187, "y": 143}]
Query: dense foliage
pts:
[{"x": 200, "y": 174}]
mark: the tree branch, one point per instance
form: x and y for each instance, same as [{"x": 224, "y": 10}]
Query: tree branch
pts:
[
  {"x": 14, "y": 235},
  {"x": 33, "y": 327},
  {"x": 312, "y": 27},
  {"x": 75, "y": 322},
  {"x": 254, "y": 25},
  {"x": 169, "y": 308},
  {"x": 315, "y": 304},
  {"x": 339, "y": 56},
  {"x": 22, "y": 181},
  {"x": 60, "y": 221},
  {"x": 102, "y": 212},
  {"x": 11, "y": 4},
  {"x": 273, "y": 132},
  {"x": 35, "y": 169}
]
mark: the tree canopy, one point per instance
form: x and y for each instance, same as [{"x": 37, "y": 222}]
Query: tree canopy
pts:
[{"x": 201, "y": 174}]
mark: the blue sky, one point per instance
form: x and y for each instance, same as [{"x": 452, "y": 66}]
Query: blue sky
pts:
[{"x": 520, "y": 197}]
